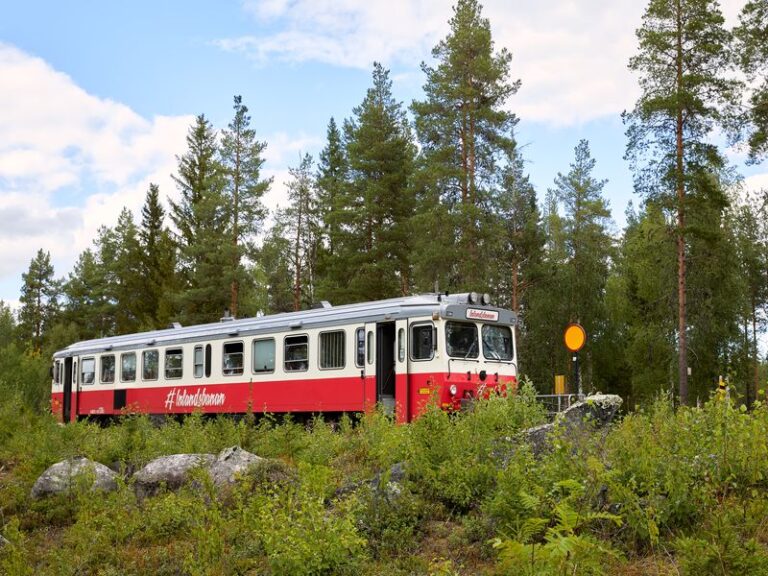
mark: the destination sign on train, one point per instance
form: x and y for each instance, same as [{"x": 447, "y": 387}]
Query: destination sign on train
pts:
[{"x": 475, "y": 314}]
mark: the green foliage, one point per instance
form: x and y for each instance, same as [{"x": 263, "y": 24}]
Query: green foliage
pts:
[
  {"x": 466, "y": 134},
  {"x": 453, "y": 460},
  {"x": 556, "y": 544},
  {"x": 40, "y": 294}
]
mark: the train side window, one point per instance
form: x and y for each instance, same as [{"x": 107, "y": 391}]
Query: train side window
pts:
[
  {"x": 150, "y": 362},
  {"x": 198, "y": 362},
  {"x": 360, "y": 340},
  {"x": 296, "y": 353},
  {"x": 264, "y": 355},
  {"x": 56, "y": 373},
  {"x": 87, "y": 370},
  {"x": 232, "y": 361},
  {"x": 128, "y": 367},
  {"x": 207, "y": 360},
  {"x": 401, "y": 345},
  {"x": 332, "y": 350},
  {"x": 370, "y": 346},
  {"x": 107, "y": 369},
  {"x": 422, "y": 342},
  {"x": 174, "y": 363}
]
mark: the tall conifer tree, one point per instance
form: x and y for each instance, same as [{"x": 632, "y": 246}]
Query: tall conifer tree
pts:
[
  {"x": 202, "y": 220},
  {"x": 39, "y": 299},
  {"x": 332, "y": 185},
  {"x": 242, "y": 160},
  {"x": 379, "y": 197},
  {"x": 158, "y": 261},
  {"x": 465, "y": 131},
  {"x": 752, "y": 34},
  {"x": 682, "y": 55}
]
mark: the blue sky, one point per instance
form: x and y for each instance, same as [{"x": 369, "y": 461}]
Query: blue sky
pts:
[{"x": 96, "y": 96}]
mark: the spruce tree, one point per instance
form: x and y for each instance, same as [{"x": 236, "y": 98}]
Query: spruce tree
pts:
[
  {"x": 379, "y": 200},
  {"x": 332, "y": 186},
  {"x": 683, "y": 53},
  {"x": 89, "y": 306},
  {"x": 242, "y": 161},
  {"x": 465, "y": 130},
  {"x": 158, "y": 262},
  {"x": 203, "y": 228},
  {"x": 40, "y": 293}
]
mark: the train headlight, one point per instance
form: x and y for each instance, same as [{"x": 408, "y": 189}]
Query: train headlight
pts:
[
  {"x": 486, "y": 299},
  {"x": 473, "y": 298},
  {"x": 453, "y": 389}
]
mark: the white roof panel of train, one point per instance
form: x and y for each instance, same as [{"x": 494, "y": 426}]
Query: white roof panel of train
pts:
[{"x": 391, "y": 309}]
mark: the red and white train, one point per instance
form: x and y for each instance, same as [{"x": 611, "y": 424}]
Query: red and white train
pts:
[{"x": 400, "y": 353}]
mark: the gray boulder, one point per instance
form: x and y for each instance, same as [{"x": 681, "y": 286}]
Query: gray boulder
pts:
[
  {"x": 594, "y": 411},
  {"x": 230, "y": 464},
  {"x": 63, "y": 477},
  {"x": 169, "y": 471}
]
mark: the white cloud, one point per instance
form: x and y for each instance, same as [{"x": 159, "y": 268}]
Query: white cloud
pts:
[
  {"x": 69, "y": 161},
  {"x": 570, "y": 55}
]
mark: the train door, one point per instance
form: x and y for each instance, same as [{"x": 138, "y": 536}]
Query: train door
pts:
[
  {"x": 75, "y": 403},
  {"x": 385, "y": 366},
  {"x": 401, "y": 371},
  {"x": 369, "y": 367},
  {"x": 66, "y": 413}
]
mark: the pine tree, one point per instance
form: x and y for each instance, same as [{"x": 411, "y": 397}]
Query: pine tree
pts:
[
  {"x": 751, "y": 235},
  {"x": 242, "y": 160},
  {"x": 682, "y": 56},
  {"x": 465, "y": 131},
  {"x": 299, "y": 223},
  {"x": 39, "y": 300},
  {"x": 204, "y": 231},
  {"x": 375, "y": 258},
  {"x": 752, "y": 34}
]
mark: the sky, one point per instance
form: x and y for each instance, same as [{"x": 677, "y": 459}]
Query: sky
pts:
[{"x": 96, "y": 97}]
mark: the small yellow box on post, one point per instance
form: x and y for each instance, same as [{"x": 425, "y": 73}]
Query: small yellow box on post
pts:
[{"x": 559, "y": 384}]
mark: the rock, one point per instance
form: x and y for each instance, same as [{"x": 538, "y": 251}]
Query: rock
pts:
[
  {"x": 64, "y": 476},
  {"x": 394, "y": 480},
  {"x": 3, "y": 542},
  {"x": 594, "y": 411},
  {"x": 230, "y": 464},
  {"x": 169, "y": 471},
  {"x": 599, "y": 409}
]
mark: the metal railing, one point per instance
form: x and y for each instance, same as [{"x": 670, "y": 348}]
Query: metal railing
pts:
[{"x": 555, "y": 403}]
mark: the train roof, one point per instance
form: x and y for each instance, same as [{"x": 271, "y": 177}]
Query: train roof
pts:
[{"x": 448, "y": 306}]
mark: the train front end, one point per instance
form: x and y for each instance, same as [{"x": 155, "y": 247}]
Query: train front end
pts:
[{"x": 473, "y": 353}]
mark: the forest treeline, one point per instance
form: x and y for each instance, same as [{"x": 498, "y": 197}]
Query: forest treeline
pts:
[{"x": 403, "y": 198}]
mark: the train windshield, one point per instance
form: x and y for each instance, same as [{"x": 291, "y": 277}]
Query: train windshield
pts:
[
  {"x": 497, "y": 342},
  {"x": 461, "y": 340}
]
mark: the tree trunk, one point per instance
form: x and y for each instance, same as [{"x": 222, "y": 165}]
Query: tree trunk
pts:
[
  {"x": 297, "y": 263},
  {"x": 682, "y": 363},
  {"x": 755, "y": 360},
  {"x": 235, "y": 287}
]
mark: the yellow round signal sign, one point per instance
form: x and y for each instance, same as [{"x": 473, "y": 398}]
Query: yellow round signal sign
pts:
[{"x": 575, "y": 337}]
